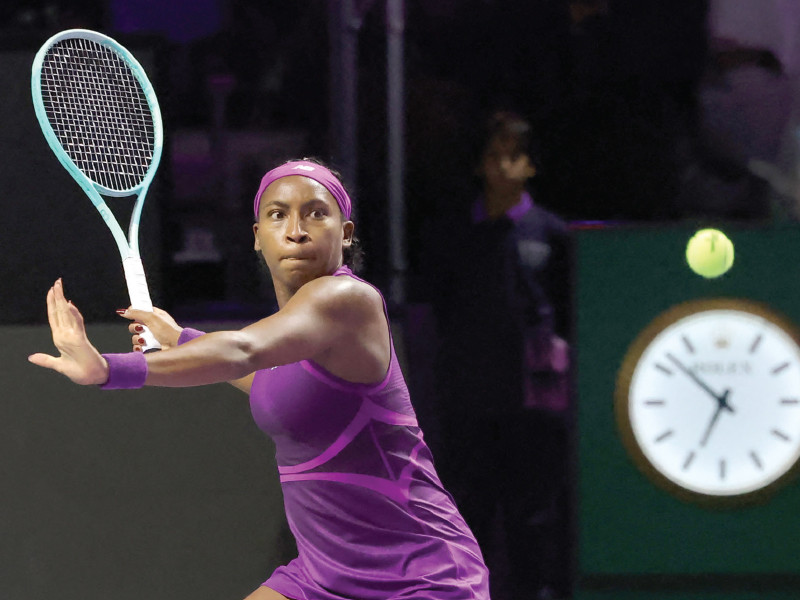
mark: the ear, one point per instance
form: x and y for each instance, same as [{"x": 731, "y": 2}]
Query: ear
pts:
[
  {"x": 348, "y": 228},
  {"x": 256, "y": 244}
]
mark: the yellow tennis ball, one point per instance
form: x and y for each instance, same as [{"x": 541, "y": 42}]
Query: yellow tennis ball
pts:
[{"x": 709, "y": 253}]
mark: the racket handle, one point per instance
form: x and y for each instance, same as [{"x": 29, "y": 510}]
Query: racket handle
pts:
[{"x": 140, "y": 296}]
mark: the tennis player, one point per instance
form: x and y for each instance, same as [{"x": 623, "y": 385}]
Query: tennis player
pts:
[{"x": 362, "y": 498}]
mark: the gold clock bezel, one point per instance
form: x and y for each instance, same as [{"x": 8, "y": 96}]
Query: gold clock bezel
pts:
[{"x": 622, "y": 394}]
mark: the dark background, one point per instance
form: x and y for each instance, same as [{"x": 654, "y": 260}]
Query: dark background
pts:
[{"x": 613, "y": 103}]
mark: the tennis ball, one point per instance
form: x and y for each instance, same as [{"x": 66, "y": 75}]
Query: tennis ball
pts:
[{"x": 709, "y": 253}]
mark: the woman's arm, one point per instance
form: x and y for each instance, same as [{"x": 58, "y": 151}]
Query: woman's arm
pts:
[
  {"x": 324, "y": 315},
  {"x": 169, "y": 334}
]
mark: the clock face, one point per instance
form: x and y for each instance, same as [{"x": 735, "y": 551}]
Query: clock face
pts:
[{"x": 709, "y": 399}]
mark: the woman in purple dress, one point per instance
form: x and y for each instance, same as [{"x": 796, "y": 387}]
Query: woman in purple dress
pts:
[{"x": 363, "y": 500}]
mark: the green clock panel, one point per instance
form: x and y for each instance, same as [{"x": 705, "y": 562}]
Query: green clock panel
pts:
[{"x": 627, "y": 526}]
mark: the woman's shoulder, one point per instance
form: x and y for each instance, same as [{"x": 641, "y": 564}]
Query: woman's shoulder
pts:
[{"x": 343, "y": 295}]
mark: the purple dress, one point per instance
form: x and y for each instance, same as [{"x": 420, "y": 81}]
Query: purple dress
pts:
[{"x": 363, "y": 500}]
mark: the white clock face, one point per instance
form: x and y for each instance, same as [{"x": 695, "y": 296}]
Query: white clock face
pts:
[{"x": 714, "y": 402}]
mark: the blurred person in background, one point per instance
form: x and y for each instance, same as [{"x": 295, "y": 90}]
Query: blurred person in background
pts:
[{"x": 499, "y": 299}]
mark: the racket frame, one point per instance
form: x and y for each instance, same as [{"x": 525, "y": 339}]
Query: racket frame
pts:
[{"x": 128, "y": 245}]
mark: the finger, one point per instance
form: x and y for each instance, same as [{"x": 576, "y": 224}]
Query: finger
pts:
[
  {"x": 135, "y": 327},
  {"x": 69, "y": 316},
  {"x": 123, "y": 312},
  {"x": 137, "y": 315},
  {"x": 60, "y": 301},
  {"x": 75, "y": 313},
  {"x": 44, "y": 360},
  {"x": 58, "y": 288},
  {"x": 137, "y": 340},
  {"x": 52, "y": 315}
]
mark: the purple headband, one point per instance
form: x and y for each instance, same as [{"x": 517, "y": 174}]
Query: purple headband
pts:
[{"x": 313, "y": 171}]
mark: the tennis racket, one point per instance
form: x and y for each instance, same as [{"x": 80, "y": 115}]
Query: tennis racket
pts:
[{"x": 100, "y": 116}]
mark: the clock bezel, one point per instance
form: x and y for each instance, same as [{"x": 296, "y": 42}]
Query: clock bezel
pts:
[{"x": 629, "y": 363}]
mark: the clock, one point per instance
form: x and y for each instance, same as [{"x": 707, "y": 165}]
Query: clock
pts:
[{"x": 708, "y": 401}]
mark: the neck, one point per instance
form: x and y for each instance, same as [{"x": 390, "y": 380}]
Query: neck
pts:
[
  {"x": 283, "y": 294},
  {"x": 284, "y": 290},
  {"x": 498, "y": 202}
]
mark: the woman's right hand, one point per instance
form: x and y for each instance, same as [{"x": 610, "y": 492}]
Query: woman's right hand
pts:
[{"x": 159, "y": 322}]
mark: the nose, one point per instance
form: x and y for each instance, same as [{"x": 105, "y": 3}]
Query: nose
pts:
[{"x": 295, "y": 230}]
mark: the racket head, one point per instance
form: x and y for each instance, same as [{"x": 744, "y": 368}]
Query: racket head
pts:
[{"x": 98, "y": 111}]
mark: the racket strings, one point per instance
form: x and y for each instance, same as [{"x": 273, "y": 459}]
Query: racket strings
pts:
[{"x": 99, "y": 112}]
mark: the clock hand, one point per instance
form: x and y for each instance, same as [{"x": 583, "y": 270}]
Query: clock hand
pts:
[
  {"x": 697, "y": 380},
  {"x": 722, "y": 405}
]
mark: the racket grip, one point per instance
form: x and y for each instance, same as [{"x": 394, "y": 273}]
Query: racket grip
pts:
[{"x": 140, "y": 296}]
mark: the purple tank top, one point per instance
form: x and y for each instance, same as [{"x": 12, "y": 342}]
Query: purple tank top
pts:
[{"x": 363, "y": 500}]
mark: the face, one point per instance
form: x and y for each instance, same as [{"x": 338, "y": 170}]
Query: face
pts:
[
  {"x": 504, "y": 167},
  {"x": 300, "y": 231}
]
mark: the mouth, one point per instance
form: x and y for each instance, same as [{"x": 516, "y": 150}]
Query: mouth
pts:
[{"x": 297, "y": 258}]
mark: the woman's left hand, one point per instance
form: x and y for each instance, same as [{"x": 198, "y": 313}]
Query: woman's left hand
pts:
[
  {"x": 159, "y": 322},
  {"x": 79, "y": 359}
]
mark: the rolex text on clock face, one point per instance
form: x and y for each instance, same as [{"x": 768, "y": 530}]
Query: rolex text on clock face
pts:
[{"x": 714, "y": 402}]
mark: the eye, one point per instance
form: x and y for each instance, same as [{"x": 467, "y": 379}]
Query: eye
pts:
[
  {"x": 275, "y": 214},
  {"x": 318, "y": 213}
]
